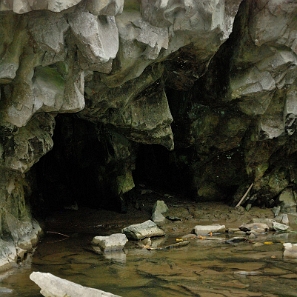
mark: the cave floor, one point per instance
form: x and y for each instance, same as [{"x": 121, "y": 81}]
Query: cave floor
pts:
[{"x": 92, "y": 221}]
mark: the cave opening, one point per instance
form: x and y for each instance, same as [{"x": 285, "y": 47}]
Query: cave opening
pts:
[
  {"x": 67, "y": 176},
  {"x": 158, "y": 168},
  {"x": 77, "y": 172}
]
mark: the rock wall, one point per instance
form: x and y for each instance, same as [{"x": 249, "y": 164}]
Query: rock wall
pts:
[{"x": 211, "y": 81}]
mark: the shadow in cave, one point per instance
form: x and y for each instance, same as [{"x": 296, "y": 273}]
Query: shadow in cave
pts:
[
  {"x": 69, "y": 175},
  {"x": 157, "y": 168},
  {"x": 78, "y": 171}
]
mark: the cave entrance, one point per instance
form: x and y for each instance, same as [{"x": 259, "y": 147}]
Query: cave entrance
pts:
[
  {"x": 68, "y": 175},
  {"x": 76, "y": 172},
  {"x": 160, "y": 169}
]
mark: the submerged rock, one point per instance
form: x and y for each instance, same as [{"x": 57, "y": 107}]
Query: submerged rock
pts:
[{"x": 290, "y": 250}]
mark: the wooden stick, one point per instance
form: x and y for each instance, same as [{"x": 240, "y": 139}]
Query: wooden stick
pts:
[
  {"x": 53, "y": 232},
  {"x": 245, "y": 194}
]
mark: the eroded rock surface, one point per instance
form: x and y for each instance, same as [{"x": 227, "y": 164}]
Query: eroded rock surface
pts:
[{"x": 212, "y": 82}]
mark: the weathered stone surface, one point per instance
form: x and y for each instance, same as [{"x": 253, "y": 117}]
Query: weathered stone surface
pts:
[
  {"x": 213, "y": 82},
  {"x": 106, "y": 7},
  {"x": 205, "y": 229},
  {"x": 160, "y": 206},
  {"x": 23, "y": 6},
  {"x": 112, "y": 242},
  {"x": 157, "y": 213},
  {"x": 143, "y": 230},
  {"x": 287, "y": 200},
  {"x": 53, "y": 286}
]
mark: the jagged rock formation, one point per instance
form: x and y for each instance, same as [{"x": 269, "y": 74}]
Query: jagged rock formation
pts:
[{"x": 213, "y": 82}]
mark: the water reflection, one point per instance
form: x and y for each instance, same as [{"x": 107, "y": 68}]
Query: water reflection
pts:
[{"x": 203, "y": 268}]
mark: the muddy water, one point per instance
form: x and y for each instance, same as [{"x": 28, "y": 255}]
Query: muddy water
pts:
[{"x": 207, "y": 267}]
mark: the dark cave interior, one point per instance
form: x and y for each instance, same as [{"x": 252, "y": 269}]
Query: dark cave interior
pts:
[{"x": 79, "y": 170}]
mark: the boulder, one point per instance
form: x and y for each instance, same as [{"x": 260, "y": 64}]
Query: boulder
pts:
[
  {"x": 114, "y": 242},
  {"x": 287, "y": 200},
  {"x": 159, "y": 208},
  {"x": 279, "y": 227},
  {"x": 53, "y": 286},
  {"x": 158, "y": 218},
  {"x": 143, "y": 230}
]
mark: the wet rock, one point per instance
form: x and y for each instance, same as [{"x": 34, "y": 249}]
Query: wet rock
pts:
[
  {"x": 8, "y": 254},
  {"x": 266, "y": 221},
  {"x": 287, "y": 200},
  {"x": 158, "y": 218},
  {"x": 280, "y": 227},
  {"x": 52, "y": 285},
  {"x": 235, "y": 240},
  {"x": 110, "y": 243},
  {"x": 254, "y": 227},
  {"x": 140, "y": 231},
  {"x": 205, "y": 229},
  {"x": 160, "y": 206},
  {"x": 158, "y": 209}
]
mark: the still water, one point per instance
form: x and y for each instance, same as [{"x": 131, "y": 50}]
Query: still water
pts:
[{"x": 205, "y": 268}]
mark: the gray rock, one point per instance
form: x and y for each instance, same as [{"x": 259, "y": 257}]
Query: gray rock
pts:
[
  {"x": 280, "y": 227},
  {"x": 287, "y": 200},
  {"x": 160, "y": 206},
  {"x": 158, "y": 218},
  {"x": 53, "y": 286},
  {"x": 143, "y": 230},
  {"x": 106, "y": 7},
  {"x": 205, "y": 229},
  {"x": 112, "y": 242}
]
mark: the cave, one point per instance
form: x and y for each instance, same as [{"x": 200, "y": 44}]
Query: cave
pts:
[
  {"x": 68, "y": 175},
  {"x": 79, "y": 170}
]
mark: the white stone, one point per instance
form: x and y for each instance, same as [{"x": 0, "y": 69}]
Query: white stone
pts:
[
  {"x": 143, "y": 230},
  {"x": 53, "y": 286},
  {"x": 205, "y": 229},
  {"x": 111, "y": 243}
]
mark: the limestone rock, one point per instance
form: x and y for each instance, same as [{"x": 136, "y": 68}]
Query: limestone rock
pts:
[
  {"x": 158, "y": 209},
  {"x": 53, "y": 286},
  {"x": 8, "y": 254},
  {"x": 96, "y": 38},
  {"x": 205, "y": 229},
  {"x": 110, "y": 243},
  {"x": 287, "y": 200},
  {"x": 106, "y": 7},
  {"x": 160, "y": 206},
  {"x": 213, "y": 81},
  {"x": 23, "y": 6},
  {"x": 158, "y": 218},
  {"x": 143, "y": 230}
]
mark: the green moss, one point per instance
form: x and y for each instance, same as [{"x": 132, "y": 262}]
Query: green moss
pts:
[{"x": 51, "y": 75}]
